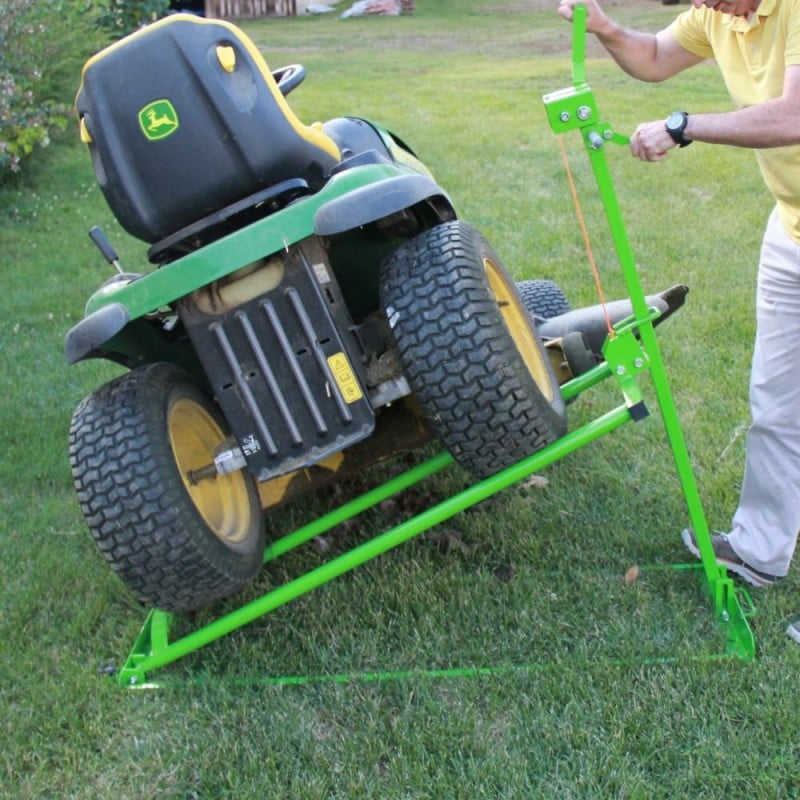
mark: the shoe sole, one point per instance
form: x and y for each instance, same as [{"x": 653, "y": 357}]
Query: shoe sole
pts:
[
  {"x": 793, "y": 632},
  {"x": 740, "y": 569}
]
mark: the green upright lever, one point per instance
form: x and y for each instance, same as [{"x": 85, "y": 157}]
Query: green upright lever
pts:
[
  {"x": 575, "y": 108},
  {"x": 579, "y": 45}
]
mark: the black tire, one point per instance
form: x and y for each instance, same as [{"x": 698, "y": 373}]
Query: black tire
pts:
[
  {"x": 469, "y": 349},
  {"x": 543, "y": 298},
  {"x": 178, "y": 545}
]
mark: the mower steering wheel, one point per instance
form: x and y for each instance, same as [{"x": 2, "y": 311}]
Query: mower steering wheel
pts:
[{"x": 289, "y": 77}]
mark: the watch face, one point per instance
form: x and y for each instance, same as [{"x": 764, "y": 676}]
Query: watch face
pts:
[
  {"x": 676, "y": 121},
  {"x": 676, "y": 125}
]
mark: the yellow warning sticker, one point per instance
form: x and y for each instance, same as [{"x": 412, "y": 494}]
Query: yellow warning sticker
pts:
[{"x": 345, "y": 379}]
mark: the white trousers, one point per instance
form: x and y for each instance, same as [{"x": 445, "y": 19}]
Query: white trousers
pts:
[{"x": 766, "y": 523}]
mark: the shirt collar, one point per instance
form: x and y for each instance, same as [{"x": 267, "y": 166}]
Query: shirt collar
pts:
[{"x": 744, "y": 24}]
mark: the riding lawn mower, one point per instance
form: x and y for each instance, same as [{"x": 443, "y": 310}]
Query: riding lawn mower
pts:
[{"x": 314, "y": 305}]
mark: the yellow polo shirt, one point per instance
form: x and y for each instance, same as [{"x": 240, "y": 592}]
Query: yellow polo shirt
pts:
[{"x": 752, "y": 54}]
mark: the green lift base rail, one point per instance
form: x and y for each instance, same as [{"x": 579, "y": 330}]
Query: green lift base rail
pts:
[{"x": 630, "y": 350}]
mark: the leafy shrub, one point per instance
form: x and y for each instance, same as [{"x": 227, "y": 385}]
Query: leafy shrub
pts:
[
  {"x": 42, "y": 46},
  {"x": 126, "y": 16}
]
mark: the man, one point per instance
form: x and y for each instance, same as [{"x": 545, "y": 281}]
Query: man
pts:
[{"x": 757, "y": 48}]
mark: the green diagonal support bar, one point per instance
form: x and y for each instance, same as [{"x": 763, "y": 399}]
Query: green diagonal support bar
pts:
[
  {"x": 355, "y": 507},
  {"x": 149, "y": 655}
]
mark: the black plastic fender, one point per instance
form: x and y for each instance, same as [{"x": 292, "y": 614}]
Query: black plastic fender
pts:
[
  {"x": 95, "y": 330},
  {"x": 377, "y": 200}
]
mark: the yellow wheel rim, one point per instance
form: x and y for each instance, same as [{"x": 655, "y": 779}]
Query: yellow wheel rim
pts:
[
  {"x": 223, "y": 502},
  {"x": 519, "y": 326}
]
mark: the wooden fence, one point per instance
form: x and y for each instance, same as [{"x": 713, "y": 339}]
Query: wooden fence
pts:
[{"x": 249, "y": 9}]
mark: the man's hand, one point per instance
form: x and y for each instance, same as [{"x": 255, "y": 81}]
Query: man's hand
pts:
[
  {"x": 651, "y": 142},
  {"x": 596, "y": 19},
  {"x": 647, "y": 56}
]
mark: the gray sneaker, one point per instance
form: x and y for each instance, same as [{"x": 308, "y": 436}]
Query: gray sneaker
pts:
[
  {"x": 726, "y": 556},
  {"x": 793, "y": 631}
]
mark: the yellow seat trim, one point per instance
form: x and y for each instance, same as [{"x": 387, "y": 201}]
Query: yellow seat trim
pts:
[{"x": 86, "y": 137}]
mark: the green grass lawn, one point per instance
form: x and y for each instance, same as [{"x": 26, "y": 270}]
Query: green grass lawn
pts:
[{"x": 592, "y": 688}]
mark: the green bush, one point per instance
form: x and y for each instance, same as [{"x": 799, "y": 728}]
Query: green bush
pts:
[
  {"x": 126, "y": 16},
  {"x": 43, "y": 44}
]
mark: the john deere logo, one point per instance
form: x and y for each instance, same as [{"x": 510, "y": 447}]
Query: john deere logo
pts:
[{"x": 158, "y": 120}]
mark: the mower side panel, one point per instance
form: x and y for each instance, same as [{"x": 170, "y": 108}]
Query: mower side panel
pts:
[
  {"x": 140, "y": 342},
  {"x": 269, "y": 235}
]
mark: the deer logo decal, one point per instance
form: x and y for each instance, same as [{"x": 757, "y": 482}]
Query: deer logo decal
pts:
[{"x": 158, "y": 120}]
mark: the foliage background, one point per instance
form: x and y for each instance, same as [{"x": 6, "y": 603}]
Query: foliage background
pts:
[{"x": 43, "y": 44}]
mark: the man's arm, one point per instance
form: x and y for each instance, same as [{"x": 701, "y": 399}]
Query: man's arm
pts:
[
  {"x": 774, "y": 123},
  {"x": 649, "y": 57}
]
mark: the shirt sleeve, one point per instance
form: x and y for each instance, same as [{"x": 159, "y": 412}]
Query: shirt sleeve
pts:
[
  {"x": 792, "y": 50},
  {"x": 690, "y": 33}
]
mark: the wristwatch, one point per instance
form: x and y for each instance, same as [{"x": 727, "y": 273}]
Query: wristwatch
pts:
[{"x": 676, "y": 125}]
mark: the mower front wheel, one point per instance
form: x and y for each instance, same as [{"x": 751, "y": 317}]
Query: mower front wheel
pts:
[
  {"x": 470, "y": 350},
  {"x": 543, "y": 298},
  {"x": 177, "y": 540}
]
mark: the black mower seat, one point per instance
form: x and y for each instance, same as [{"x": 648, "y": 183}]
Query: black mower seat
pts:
[{"x": 183, "y": 119}]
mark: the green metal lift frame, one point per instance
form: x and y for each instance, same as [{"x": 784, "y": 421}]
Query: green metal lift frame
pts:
[{"x": 629, "y": 351}]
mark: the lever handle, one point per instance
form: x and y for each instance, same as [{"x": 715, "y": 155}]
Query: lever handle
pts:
[{"x": 98, "y": 236}]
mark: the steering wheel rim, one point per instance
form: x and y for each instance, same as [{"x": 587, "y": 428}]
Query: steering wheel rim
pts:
[{"x": 289, "y": 77}]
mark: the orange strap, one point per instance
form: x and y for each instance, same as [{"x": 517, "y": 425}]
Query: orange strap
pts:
[{"x": 585, "y": 234}]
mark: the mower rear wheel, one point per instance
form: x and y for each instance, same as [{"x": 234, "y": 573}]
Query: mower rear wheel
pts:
[
  {"x": 470, "y": 350},
  {"x": 178, "y": 541}
]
